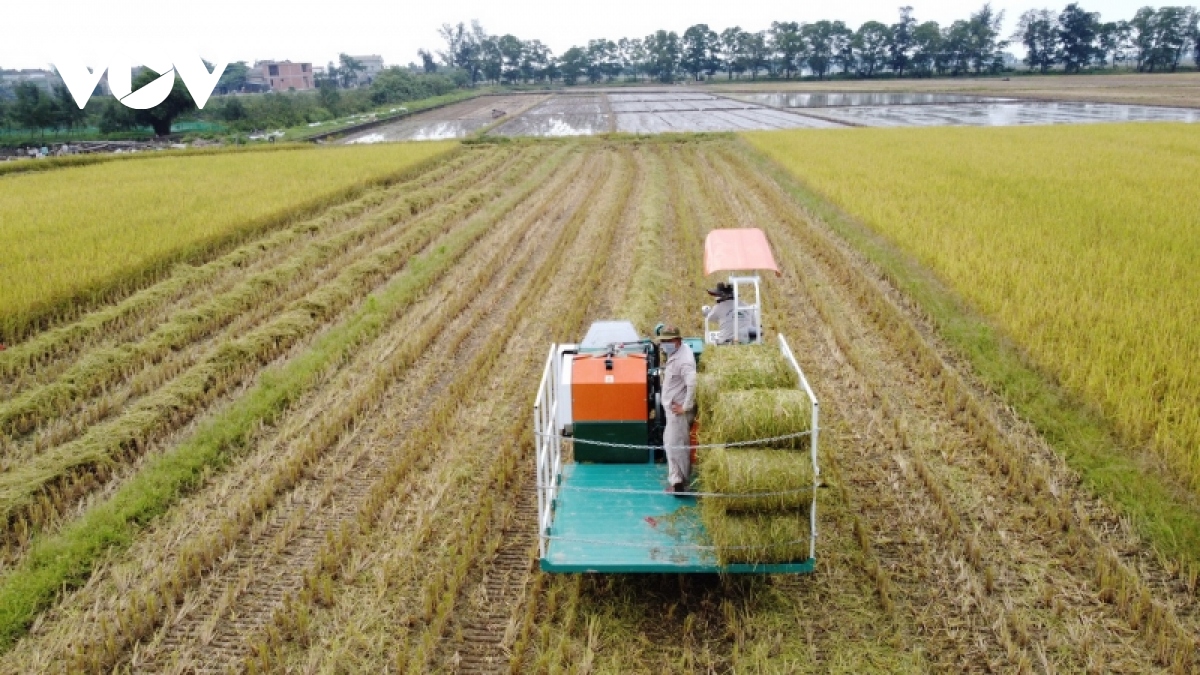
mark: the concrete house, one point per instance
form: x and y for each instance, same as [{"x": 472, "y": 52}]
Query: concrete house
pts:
[{"x": 283, "y": 75}]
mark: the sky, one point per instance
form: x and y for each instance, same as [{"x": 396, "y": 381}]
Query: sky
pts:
[{"x": 36, "y": 33}]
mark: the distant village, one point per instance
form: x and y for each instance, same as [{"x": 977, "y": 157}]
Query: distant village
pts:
[{"x": 263, "y": 76}]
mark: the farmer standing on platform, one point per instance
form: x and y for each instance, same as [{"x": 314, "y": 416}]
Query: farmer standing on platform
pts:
[{"x": 678, "y": 398}]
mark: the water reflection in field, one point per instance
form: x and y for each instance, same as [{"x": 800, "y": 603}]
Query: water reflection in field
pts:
[
  {"x": 1006, "y": 114},
  {"x": 830, "y": 99},
  {"x": 569, "y": 115},
  {"x": 661, "y": 111},
  {"x": 418, "y": 130}
]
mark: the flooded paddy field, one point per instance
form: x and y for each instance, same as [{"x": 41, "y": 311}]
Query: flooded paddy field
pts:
[
  {"x": 838, "y": 99},
  {"x": 453, "y": 121},
  {"x": 654, "y": 111},
  {"x": 1004, "y": 114},
  {"x": 562, "y": 115}
]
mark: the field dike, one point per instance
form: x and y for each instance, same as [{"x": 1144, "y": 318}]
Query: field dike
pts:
[{"x": 363, "y": 502}]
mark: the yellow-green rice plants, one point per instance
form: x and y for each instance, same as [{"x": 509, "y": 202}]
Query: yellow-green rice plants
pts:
[
  {"x": 75, "y": 236},
  {"x": 1080, "y": 242},
  {"x": 125, "y": 437},
  {"x": 102, "y": 367},
  {"x": 158, "y": 485}
]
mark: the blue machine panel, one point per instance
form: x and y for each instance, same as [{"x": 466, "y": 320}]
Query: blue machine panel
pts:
[{"x": 599, "y": 528}]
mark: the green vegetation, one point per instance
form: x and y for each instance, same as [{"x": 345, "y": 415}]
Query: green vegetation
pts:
[
  {"x": 39, "y": 118},
  {"x": 49, "y": 163}
]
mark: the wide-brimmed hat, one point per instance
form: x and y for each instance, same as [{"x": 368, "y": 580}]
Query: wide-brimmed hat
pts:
[
  {"x": 723, "y": 290},
  {"x": 668, "y": 333}
]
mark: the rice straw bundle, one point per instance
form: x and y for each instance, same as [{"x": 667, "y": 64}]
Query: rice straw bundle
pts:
[
  {"x": 756, "y": 537},
  {"x": 742, "y": 471},
  {"x": 744, "y": 416},
  {"x": 738, "y": 367},
  {"x": 707, "y": 389}
]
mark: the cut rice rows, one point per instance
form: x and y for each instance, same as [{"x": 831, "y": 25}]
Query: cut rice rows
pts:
[{"x": 313, "y": 453}]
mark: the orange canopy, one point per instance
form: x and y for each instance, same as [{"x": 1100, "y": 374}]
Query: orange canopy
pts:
[{"x": 737, "y": 249}]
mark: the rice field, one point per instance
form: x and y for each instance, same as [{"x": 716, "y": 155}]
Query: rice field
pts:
[
  {"x": 1080, "y": 242},
  {"x": 119, "y": 224},
  {"x": 732, "y": 108},
  {"x": 311, "y": 451}
]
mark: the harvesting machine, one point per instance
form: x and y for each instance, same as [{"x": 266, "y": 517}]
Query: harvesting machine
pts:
[{"x": 598, "y": 423}]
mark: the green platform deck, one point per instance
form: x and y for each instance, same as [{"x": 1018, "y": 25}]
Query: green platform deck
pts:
[{"x": 618, "y": 532}]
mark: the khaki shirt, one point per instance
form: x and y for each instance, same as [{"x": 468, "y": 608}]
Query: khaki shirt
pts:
[{"x": 679, "y": 379}]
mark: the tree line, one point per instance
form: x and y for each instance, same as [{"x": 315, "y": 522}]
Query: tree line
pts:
[
  {"x": 1073, "y": 39},
  {"x": 34, "y": 110},
  {"x": 1153, "y": 40}
]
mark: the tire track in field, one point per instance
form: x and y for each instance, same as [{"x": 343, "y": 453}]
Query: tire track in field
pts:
[
  {"x": 44, "y": 356},
  {"x": 415, "y": 554},
  {"x": 581, "y": 285},
  {"x": 345, "y": 483},
  {"x": 110, "y": 380},
  {"x": 977, "y": 525},
  {"x": 438, "y": 309},
  {"x": 486, "y": 615}
]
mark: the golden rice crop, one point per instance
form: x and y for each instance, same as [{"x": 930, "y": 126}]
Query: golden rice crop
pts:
[
  {"x": 76, "y": 232},
  {"x": 1080, "y": 242},
  {"x": 781, "y": 479}
]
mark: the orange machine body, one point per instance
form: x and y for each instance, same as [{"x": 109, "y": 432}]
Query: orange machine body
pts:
[{"x": 599, "y": 394}]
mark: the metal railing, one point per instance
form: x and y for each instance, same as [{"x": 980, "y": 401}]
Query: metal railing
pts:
[
  {"x": 548, "y": 442},
  {"x": 549, "y": 445},
  {"x": 816, "y": 433}
]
